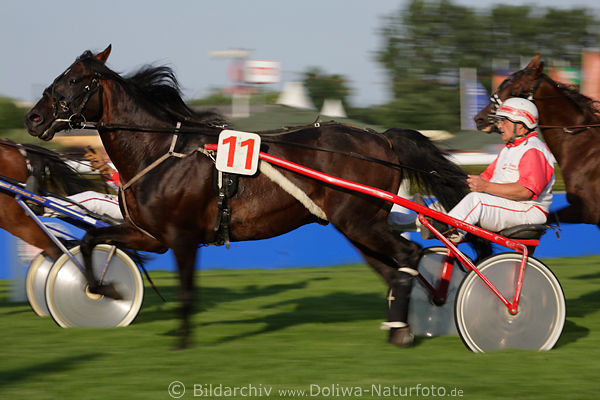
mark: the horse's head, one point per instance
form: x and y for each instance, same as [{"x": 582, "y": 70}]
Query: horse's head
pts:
[
  {"x": 522, "y": 83},
  {"x": 73, "y": 98}
]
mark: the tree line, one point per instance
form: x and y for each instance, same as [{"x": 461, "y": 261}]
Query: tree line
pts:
[{"x": 424, "y": 44}]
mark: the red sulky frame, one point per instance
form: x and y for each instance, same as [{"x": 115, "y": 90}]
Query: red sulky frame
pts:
[{"x": 519, "y": 246}]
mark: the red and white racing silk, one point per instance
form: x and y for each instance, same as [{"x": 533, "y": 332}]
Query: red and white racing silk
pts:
[
  {"x": 100, "y": 203},
  {"x": 113, "y": 179},
  {"x": 526, "y": 161},
  {"x": 529, "y": 162}
]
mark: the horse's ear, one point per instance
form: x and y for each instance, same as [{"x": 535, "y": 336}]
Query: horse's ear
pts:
[
  {"x": 103, "y": 56},
  {"x": 536, "y": 64},
  {"x": 540, "y": 69}
]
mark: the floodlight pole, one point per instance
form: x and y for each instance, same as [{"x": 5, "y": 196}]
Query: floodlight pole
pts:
[{"x": 240, "y": 101}]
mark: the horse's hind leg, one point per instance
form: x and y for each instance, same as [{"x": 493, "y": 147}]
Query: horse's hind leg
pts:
[
  {"x": 396, "y": 260},
  {"x": 123, "y": 236}
]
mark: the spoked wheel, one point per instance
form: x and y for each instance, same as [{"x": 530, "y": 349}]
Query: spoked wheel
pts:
[
  {"x": 425, "y": 317},
  {"x": 35, "y": 283},
  {"x": 484, "y": 322},
  {"x": 70, "y": 301}
]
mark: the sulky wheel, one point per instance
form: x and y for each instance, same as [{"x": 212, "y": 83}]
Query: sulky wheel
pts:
[
  {"x": 425, "y": 317},
  {"x": 484, "y": 322},
  {"x": 70, "y": 302},
  {"x": 35, "y": 283}
]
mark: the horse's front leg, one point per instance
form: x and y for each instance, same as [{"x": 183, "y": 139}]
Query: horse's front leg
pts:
[
  {"x": 123, "y": 236},
  {"x": 185, "y": 250}
]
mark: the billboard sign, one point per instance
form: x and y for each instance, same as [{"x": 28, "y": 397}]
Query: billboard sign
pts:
[{"x": 262, "y": 71}]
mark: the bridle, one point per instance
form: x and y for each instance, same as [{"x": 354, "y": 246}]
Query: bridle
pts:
[
  {"x": 496, "y": 102},
  {"x": 61, "y": 104},
  {"x": 495, "y": 99}
]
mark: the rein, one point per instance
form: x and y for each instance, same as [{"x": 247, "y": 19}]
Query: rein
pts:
[
  {"x": 267, "y": 139},
  {"x": 179, "y": 129},
  {"x": 78, "y": 121},
  {"x": 571, "y": 130}
]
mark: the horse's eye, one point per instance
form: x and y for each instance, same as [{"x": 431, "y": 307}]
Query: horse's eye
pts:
[{"x": 72, "y": 81}]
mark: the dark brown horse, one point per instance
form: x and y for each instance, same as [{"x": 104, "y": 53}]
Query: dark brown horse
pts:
[
  {"x": 18, "y": 162},
  {"x": 570, "y": 124},
  {"x": 174, "y": 203}
]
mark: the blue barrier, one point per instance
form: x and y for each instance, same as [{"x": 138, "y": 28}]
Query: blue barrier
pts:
[{"x": 316, "y": 246}]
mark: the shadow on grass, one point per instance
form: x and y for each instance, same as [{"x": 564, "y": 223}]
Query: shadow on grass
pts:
[
  {"x": 329, "y": 308},
  {"x": 580, "y": 307},
  {"x": 61, "y": 365},
  {"x": 208, "y": 297},
  {"x": 571, "y": 333},
  {"x": 21, "y": 307},
  {"x": 587, "y": 277},
  {"x": 584, "y": 304}
]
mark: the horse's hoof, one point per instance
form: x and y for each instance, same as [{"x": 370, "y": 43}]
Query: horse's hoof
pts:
[
  {"x": 107, "y": 290},
  {"x": 401, "y": 337}
]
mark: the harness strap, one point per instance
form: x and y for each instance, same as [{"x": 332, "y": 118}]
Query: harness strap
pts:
[
  {"x": 287, "y": 185},
  {"x": 157, "y": 162},
  {"x": 128, "y": 216}
]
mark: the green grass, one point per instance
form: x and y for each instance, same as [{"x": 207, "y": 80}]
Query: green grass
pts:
[{"x": 288, "y": 329}]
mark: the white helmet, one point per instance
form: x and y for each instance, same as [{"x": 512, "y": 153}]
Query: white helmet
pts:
[{"x": 517, "y": 109}]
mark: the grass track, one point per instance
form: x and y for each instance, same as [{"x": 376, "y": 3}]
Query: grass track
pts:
[{"x": 285, "y": 330}]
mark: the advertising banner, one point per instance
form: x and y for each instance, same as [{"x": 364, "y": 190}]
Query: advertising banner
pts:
[{"x": 590, "y": 65}]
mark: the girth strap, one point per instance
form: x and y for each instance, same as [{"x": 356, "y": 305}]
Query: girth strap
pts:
[{"x": 223, "y": 212}]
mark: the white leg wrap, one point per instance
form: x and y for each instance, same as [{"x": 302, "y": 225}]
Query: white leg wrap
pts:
[
  {"x": 409, "y": 271},
  {"x": 386, "y": 326}
]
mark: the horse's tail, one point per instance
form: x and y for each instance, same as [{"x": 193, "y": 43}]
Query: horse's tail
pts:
[
  {"x": 53, "y": 173},
  {"x": 425, "y": 165},
  {"x": 430, "y": 169}
]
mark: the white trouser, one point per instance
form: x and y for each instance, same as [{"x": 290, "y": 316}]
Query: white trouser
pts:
[
  {"x": 401, "y": 215},
  {"x": 495, "y": 213},
  {"x": 100, "y": 203}
]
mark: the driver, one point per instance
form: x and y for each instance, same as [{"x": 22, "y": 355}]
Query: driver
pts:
[
  {"x": 514, "y": 189},
  {"x": 99, "y": 203}
]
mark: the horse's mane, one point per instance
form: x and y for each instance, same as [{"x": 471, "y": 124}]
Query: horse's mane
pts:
[
  {"x": 588, "y": 106},
  {"x": 55, "y": 175},
  {"x": 158, "y": 89}
]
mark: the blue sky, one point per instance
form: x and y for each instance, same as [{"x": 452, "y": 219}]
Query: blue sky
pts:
[{"x": 41, "y": 38}]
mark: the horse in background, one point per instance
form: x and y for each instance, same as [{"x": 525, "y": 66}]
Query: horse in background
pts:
[
  {"x": 173, "y": 203},
  {"x": 52, "y": 173},
  {"x": 570, "y": 124}
]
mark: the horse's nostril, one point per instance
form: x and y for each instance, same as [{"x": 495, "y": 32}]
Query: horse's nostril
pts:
[{"x": 34, "y": 118}]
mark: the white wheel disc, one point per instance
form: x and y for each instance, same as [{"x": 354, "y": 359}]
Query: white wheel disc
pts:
[
  {"x": 424, "y": 317},
  {"x": 484, "y": 322},
  {"x": 70, "y": 302},
  {"x": 35, "y": 283}
]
